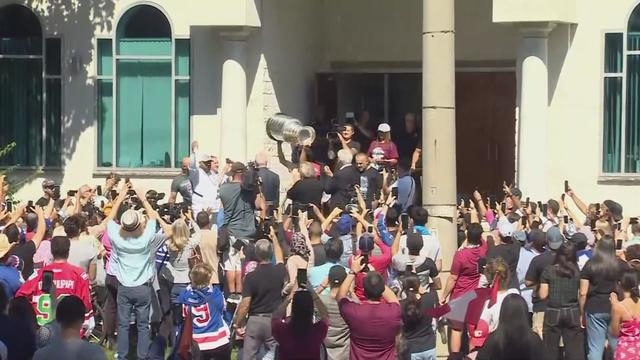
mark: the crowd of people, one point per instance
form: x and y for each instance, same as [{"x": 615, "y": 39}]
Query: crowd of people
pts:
[{"x": 345, "y": 267}]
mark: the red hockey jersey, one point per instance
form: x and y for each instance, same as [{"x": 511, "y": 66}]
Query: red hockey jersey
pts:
[{"x": 68, "y": 280}]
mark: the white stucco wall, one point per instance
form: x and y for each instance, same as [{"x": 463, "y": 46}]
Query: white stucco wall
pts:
[{"x": 576, "y": 104}]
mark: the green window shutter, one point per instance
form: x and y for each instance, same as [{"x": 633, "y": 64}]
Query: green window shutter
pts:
[
  {"x": 182, "y": 118},
  {"x": 613, "y": 53},
  {"x": 53, "y": 111},
  {"x": 612, "y": 124},
  {"x": 183, "y": 57},
  {"x": 105, "y": 123},
  {"x": 105, "y": 57},
  {"x": 632, "y": 139}
]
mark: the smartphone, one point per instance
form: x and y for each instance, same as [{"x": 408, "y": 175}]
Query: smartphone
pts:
[
  {"x": 8, "y": 206},
  {"x": 99, "y": 190},
  {"x": 597, "y": 206},
  {"x": 482, "y": 262},
  {"x": 365, "y": 262},
  {"x": 619, "y": 226},
  {"x": 239, "y": 245},
  {"x": 71, "y": 193},
  {"x": 493, "y": 202},
  {"x": 540, "y": 206},
  {"x": 114, "y": 194},
  {"x": 544, "y": 209},
  {"x": 566, "y": 186},
  {"x": 405, "y": 221},
  {"x": 503, "y": 207},
  {"x": 47, "y": 281},
  {"x": 633, "y": 220},
  {"x": 394, "y": 192},
  {"x": 524, "y": 221},
  {"x": 30, "y": 206},
  {"x": 619, "y": 244},
  {"x": 301, "y": 277},
  {"x": 408, "y": 269},
  {"x": 565, "y": 219},
  {"x": 526, "y": 203}
]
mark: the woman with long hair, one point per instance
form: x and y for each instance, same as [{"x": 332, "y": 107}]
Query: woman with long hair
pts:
[
  {"x": 559, "y": 284},
  {"x": 625, "y": 317},
  {"x": 300, "y": 337},
  {"x": 599, "y": 278},
  {"x": 513, "y": 339},
  {"x": 419, "y": 339}
]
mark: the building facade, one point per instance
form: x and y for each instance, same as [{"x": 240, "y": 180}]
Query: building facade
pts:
[{"x": 545, "y": 90}]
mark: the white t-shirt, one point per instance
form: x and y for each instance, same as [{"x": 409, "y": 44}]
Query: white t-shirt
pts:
[
  {"x": 430, "y": 247},
  {"x": 205, "y": 190},
  {"x": 491, "y": 315}
]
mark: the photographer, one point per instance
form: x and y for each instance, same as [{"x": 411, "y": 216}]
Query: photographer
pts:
[
  {"x": 238, "y": 197},
  {"x": 341, "y": 185}
]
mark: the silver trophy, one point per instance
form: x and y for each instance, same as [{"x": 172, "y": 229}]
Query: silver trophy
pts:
[{"x": 281, "y": 127}]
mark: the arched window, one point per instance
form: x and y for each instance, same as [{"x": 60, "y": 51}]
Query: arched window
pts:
[
  {"x": 146, "y": 124},
  {"x": 30, "y": 112}
]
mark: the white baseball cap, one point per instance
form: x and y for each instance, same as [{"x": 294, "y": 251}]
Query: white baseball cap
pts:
[{"x": 384, "y": 127}]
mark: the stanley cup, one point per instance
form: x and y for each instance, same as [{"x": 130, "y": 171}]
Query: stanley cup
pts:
[{"x": 282, "y": 127}]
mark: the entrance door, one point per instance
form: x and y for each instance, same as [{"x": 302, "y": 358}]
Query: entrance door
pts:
[{"x": 485, "y": 131}]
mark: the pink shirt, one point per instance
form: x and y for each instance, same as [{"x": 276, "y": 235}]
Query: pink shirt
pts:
[{"x": 465, "y": 265}]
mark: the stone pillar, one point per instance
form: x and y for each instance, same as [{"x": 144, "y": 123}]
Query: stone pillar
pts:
[
  {"x": 439, "y": 123},
  {"x": 234, "y": 98},
  {"x": 534, "y": 105}
]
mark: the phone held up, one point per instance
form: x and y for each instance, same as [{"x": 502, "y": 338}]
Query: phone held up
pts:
[
  {"x": 301, "y": 277},
  {"x": 405, "y": 222},
  {"x": 47, "y": 281}
]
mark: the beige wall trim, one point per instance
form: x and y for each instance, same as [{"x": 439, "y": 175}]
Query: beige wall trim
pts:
[{"x": 416, "y": 66}]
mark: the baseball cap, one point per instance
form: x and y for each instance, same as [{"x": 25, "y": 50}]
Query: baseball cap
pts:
[
  {"x": 591, "y": 238},
  {"x": 579, "y": 239},
  {"x": 130, "y": 220},
  {"x": 554, "y": 238},
  {"x": 236, "y": 167},
  {"x": 344, "y": 224},
  {"x": 337, "y": 274},
  {"x": 384, "y": 127},
  {"x": 414, "y": 242},
  {"x": 366, "y": 244},
  {"x": 615, "y": 209},
  {"x": 506, "y": 228},
  {"x": 519, "y": 235},
  {"x": 202, "y": 157},
  {"x": 48, "y": 183}
]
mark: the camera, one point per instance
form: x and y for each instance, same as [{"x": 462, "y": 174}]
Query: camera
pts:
[{"x": 172, "y": 211}]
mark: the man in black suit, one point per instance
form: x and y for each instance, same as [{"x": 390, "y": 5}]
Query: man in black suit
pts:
[
  {"x": 341, "y": 184},
  {"x": 270, "y": 181}
]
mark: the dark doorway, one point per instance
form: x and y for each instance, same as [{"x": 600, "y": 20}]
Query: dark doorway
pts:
[{"x": 485, "y": 130}]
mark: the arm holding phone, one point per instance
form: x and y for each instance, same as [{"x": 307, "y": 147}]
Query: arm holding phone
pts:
[
  {"x": 329, "y": 219},
  {"x": 41, "y": 229},
  {"x": 277, "y": 250}
]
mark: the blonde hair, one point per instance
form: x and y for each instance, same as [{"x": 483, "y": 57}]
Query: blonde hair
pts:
[
  {"x": 179, "y": 236},
  {"x": 306, "y": 170},
  {"x": 200, "y": 275},
  {"x": 498, "y": 268}
]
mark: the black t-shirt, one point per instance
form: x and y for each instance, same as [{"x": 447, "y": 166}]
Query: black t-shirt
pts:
[
  {"x": 319, "y": 255},
  {"x": 510, "y": 253},
  {"x": 420, "y": 337},
  {"x": 534, "y": 273},
  {"x": 306, "y": 191},
  {"x": 370, "y": 184},
  {"x": 600, "y": 288},
  {"x": 182, "y": 184},
  {"x": 270, "y": 186},
  {"x": 25, "y": 251},
  {"x": 264, "y": 286},
  {"x": 406, "y": 143}
]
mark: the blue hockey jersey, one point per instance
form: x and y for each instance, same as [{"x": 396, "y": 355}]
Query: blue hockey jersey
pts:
[{"x": 207, "y": 306}]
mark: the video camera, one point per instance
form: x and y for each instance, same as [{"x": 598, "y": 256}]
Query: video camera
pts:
[{"x": 172, "y": 212}]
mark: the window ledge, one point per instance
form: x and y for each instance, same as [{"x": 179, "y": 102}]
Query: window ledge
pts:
[
  {"x": 622, "y": 179},
  {"x": 139, "y": 173}
]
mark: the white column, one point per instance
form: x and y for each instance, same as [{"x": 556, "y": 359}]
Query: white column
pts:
[
  {"x": 439, "y": 122},
  {"x": 534, "y": 106},
  {"x": 234, "y": 98}
]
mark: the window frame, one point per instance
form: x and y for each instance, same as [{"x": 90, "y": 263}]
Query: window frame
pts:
[
  {"x": 43, "y": 92},
  {"x": 170, "y": 171}
]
